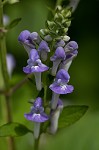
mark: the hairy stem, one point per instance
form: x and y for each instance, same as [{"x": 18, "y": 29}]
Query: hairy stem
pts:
[
  {"x": 45, "y": 94},
  {"x": 11, "y": 143},
  {"x": 36, "y": 144}
]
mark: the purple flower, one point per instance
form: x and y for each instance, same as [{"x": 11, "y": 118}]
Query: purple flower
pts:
[
  {"x": 60, "y": 86},
  {"x": 37, "y": 112},
  {"x": 34, "y": 37},
  {"x": 60, "y": 43},
  {"x": 71, "y": 53},
  {"x": 10, "y": 63},
  {"x": 34, "y": 63},
  {"x": 72, "y": 45},
  {"x": 55, "y": 117},
  {"x": 43, "y": 49},
  {"x": 35, "y": 66},
  {"x": 57, "y": 58},
  {"x": 37, "y": 115},
  {"x": 25, "y": 41}
]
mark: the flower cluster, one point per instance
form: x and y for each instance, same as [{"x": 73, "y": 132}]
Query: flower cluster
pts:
[{"x": 52, "y": 51}]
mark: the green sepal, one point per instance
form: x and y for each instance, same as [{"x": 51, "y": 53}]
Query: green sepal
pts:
[
  {"x": 13, "y": 129},
  {"x": 44, "y": 31},
  {"x": 50, "y": 24},
  {"x": 71, "y": 114},
  {"x": 44, "y": 126}
]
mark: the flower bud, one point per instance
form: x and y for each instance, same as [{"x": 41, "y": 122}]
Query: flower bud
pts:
[{"x": 44, "y": 31}]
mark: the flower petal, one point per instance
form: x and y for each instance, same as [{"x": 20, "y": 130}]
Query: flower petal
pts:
[
  {"x": 63, "y": 75},
  {"x": 23, "y": 36},
  {"x": 34, "y": 36},
  {"x": 72, "y": 45},
  {"x": 59, "y": 54},
  {"x": 34, "y": 55},
  {"x": 27, "y": 69},
  {"x": 38, "y": 102},
  {"x": 36, "y": 117},
  {"x": 43, "y": 46},
  {"x": 61, "y": 89}
]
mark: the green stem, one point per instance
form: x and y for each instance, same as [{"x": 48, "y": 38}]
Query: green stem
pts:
[
  {"x": 58, "y": 2},
  {"x": 11, "y": 143},
  {"x": 3, "y": 52},
  {"x": 45, "y": 93},
  {"x": 1, "y": 14},
  {"x": 3, "y": 61},
  {"x": 3, "y": 49},
  {"x": 36, "y": 143}
]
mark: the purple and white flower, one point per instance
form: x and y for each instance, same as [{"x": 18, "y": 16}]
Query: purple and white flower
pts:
[
  {"x": 37, "y": 115},
  {"x": 60, "y": 86},
  {"x": 43, "y": 49},
  {"x": 57, "y": 58},
  {"x": 35, "y": 66}
]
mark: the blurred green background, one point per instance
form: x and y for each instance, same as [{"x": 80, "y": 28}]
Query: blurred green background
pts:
[{"x": 84, "y": 72}]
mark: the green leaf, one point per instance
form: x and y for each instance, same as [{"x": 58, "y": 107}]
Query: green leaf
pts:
[
  {"x": 13, "y": 129},
  {"x": 71, "y": 114},
  {"x": 13, "y": 23}
]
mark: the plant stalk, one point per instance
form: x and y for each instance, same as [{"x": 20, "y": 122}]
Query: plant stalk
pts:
[
  {"x": 36, "y": 143},
  {"x": 11, "y": 145}
]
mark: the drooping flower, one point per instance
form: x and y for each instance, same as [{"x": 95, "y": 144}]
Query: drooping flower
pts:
[
  {"x": 57, "y": 58},
  {"x": 35, "y": 66},
  {"x": 71, "y": 46},
  {"x": 43, "y": 49},
  {"x": 37, "y": 115},
  {"x": 60, "y": 86},
  {"x": 26, "y": 41},
  {"x": 34, "y": 37},
  {"x": 55, "y": 117},
  {"x": 71, "y": 53}
]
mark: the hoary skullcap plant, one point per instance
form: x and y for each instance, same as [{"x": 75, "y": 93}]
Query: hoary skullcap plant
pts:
[{"x": 50, "y": 55}]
